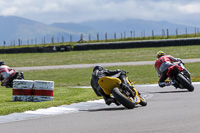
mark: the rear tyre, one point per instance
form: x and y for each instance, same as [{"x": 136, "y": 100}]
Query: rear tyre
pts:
[
  {"x": 182, "y": 80},
  {"x": 123, "y": 99}
]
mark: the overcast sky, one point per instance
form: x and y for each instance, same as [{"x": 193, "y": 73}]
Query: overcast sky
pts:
[{"x": 50, "y": 11}]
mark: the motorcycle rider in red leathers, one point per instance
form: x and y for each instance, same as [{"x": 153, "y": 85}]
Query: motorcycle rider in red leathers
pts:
[
  {"x": 162, "y": 64},
  {"x": 5, "y": 73}
]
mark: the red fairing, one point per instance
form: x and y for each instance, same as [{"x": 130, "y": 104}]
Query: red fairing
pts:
[
  {"x": 171, "y": 68},
  {"x": 4, "y": 70}
]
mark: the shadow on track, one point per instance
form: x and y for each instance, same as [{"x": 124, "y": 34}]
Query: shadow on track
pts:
[
  {"x": 111, "y": 109},
  {"x": 163, "y": 92},
  {"x": 107, "y": 109}
]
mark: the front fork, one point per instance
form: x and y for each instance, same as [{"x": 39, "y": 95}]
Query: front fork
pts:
[{"x": 185, "y": 71}]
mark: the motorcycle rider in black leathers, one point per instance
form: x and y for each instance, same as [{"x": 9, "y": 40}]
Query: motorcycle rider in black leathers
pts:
[{"x": 98, "y": 72}]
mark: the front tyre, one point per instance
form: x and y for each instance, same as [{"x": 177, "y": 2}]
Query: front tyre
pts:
[
  {"x": 143, "y": 102},
  {"x": 125, "y": 101},
  {"x": 182, "y": 80}
]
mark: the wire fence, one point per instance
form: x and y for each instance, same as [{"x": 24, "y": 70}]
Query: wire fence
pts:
[{"x": 165, "y": 34}]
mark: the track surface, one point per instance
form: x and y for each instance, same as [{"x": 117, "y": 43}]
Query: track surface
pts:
[{"x": 168, "y": 110}]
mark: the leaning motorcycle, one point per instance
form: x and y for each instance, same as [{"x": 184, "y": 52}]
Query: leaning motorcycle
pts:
[
  {"x": 17, "y": 75},
  {"x": 128, "y": 97},
  {"x": 179, "y": 77}
]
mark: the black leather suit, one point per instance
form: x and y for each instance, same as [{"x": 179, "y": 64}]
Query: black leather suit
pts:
[{"x": 96, "y": 75}]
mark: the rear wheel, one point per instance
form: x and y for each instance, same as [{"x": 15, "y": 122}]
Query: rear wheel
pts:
[
  {"x": 182, "y": 80},
  {"x": 123, "y": 99}
]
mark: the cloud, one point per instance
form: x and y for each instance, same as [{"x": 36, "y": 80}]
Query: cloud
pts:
[
  {"x": 9, "y": 11},
  {"x": 49, "y": 11},
  {"x": 192, "y": 8}
]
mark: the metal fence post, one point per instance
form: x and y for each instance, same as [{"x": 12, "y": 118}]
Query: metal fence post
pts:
[
  {"x": 115, "y": 36},
  {"x": 106, "y": 37},
  {"x": 153, "y": 34},
  {"x": 186, "y": 31},
  {"x": 177, "y": 32},
  {"x": 97, "y": 37},
  {"x": 19, "y": 42},
  {"x": 167, "y": 33},
  {"x": 4, "y": 42},
  {"x": 89, "y": 37}
]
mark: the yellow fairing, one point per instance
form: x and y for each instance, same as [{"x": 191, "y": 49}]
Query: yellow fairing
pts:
[
  {"x": 136, "y": 98},
  {"x": 108, "y": 83}
]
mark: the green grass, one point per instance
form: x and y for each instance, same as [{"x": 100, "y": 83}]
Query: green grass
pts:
[
  {"x": 64, "y": 94},
  {"x": 81, "y": 77},
  {"x": 97, "y": 56}
]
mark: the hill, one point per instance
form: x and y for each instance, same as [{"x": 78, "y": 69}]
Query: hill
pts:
[
  {"x": 14, "y": 28},
  {"x": 28, "y": 31},
  {"x": 125, "y": 27}
]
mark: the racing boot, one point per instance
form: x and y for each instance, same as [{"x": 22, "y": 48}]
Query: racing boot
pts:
[
  {"x": 162, "y": 84},
  {"x": 107, "y": 98},
  {"x": 116, "y": 102},
  {"x": 112, "y": 100},
  {"x": 166, "y": 83}
]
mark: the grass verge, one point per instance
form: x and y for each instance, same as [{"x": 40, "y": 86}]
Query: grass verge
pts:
[{"x": 97, "y": 56}]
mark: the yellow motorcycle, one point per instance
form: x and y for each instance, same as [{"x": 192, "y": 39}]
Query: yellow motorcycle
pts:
[{"x": 127, "y": 97}]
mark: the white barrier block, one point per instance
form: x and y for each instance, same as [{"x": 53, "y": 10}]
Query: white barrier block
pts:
[
  {"x": 43, "y": 91},
  {"x": 48, "y": 85},
  {"x": 42, "y": 98},
  {"x": 22, "y": 90},
  {"x": 22, "y": 98},
  {"x": 22, "y": 84}
]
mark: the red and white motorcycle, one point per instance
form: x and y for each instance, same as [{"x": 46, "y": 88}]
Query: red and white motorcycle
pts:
[{"x": 179, "y": 77}]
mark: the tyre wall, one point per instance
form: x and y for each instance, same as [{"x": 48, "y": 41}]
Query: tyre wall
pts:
[
  {"x": 137, "y": 44},
  {"x": 38, "y": 49}
]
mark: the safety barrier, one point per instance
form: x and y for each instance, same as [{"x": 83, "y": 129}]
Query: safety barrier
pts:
[
  {"x": 29, "y": 90},
  {"x": 22, "y": 90},
  {"x": 48, "y": 49},
  {"x": 137, "y": 44},
  {"x": 43, "y": 91}
]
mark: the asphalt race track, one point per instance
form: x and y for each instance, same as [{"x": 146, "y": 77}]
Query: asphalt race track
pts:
[{"x": 169, "y": 110}]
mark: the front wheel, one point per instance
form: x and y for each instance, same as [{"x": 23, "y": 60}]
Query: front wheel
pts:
[
  {"x": 143, "y": 102},
  {"x": 182, "y": 80},
  {"x": 123, "y": 99}
]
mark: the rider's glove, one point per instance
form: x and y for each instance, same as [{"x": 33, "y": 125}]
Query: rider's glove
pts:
[
  {"x": 123, "y": 72},
  {"x": 182, "y": 62}
]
